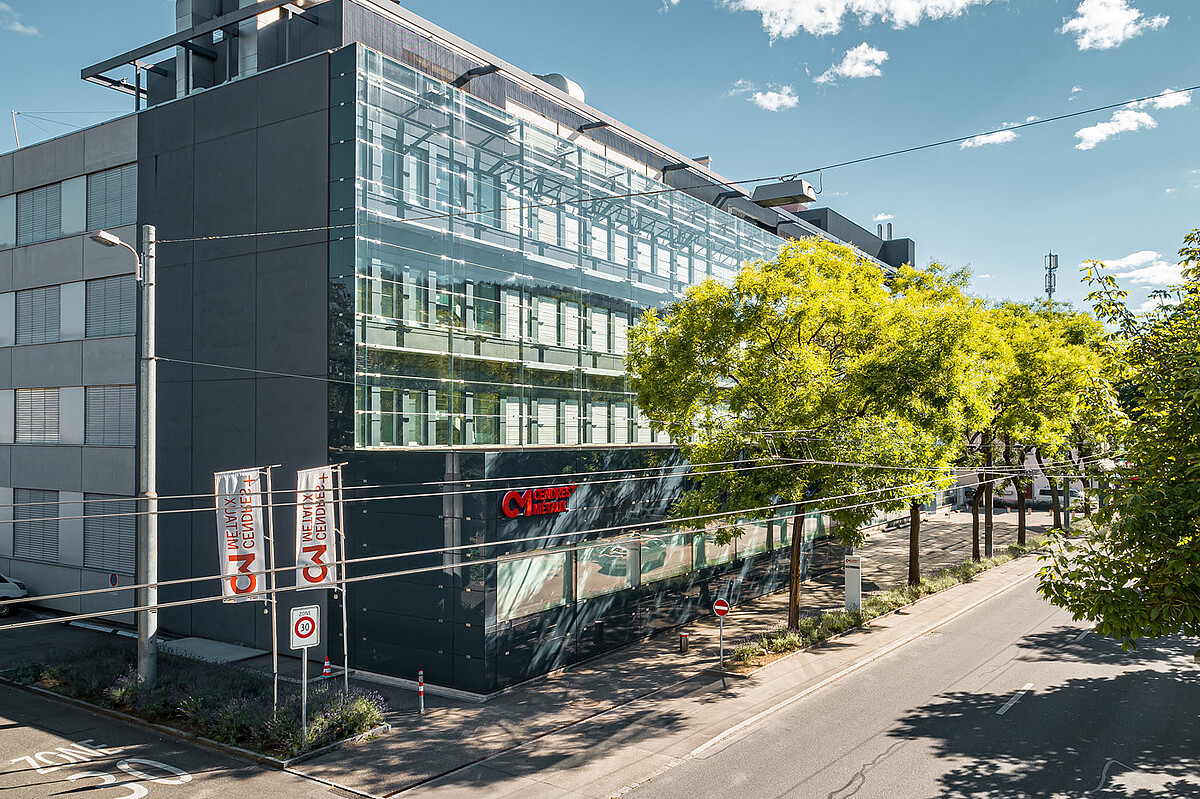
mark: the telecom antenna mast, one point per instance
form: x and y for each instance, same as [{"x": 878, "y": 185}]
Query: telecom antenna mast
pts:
[{"x": 1051, "y": 281}]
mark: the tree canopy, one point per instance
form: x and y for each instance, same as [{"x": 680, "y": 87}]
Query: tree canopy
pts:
[{"x": 1137, "y": 574}]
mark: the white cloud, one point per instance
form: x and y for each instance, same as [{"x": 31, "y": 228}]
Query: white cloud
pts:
[
  {"x": 1145, "y": 268},
  {"x": 999, "y": 137},
  {"x": 1031, "y": 119},
  {"x": 859, "y": 62},
  {"x": 1171, "y": 98},
  {"x": 984, "y": 277},
  {"x": 883, "y": 217},
  {"x": 10, "y": 20},
  {"x": 777, "y": 99},
  {"x": 1123, "y": 120},
  {"x": 740, "y": 86},
  {"x": 1076, "y": 89},
  {"x": 786, "y": 18},
  {"x": 1103, "y": 24},
  {"x": 1171, "y": 191}
]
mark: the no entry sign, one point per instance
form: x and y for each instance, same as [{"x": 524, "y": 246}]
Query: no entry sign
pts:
[
  {"x": 306, "y": 626},
  {"x": 720, "y": 607}
]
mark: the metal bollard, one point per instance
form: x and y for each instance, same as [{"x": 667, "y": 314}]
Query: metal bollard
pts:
[
  {"x": 421, "y": 689},
  {"x": 683, "y": 643}
]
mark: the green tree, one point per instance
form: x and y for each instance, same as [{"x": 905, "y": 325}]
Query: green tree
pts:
[
  {"x": 1137, "y": 573},
  {"x": 795, "y": 363}
]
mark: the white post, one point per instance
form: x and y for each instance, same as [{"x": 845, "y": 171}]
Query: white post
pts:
[
  {"x": 274, "y": 610},
  {"x": 721, "y": 645},
  {"x": 304, "y": 696},
  {"x": 853, "y": 570},
  {"x": 147, "y": 544},
  {"x": 345, "y": 555}
]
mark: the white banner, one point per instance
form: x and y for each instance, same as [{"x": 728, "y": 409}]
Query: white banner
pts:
[
  {"x": 316, "y": 541},
  {"x": 242, "y": 536}
]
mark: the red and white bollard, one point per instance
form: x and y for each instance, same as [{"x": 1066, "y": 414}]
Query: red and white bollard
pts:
[{"x": 421, "y": 689}]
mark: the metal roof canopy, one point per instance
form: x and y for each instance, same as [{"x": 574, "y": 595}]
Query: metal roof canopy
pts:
[{"x": 95, "y": 72}]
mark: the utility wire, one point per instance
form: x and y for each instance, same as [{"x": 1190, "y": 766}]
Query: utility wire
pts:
[
  {"x": 672, "y": 189},
  {"x": 810, "y": 506},
  {"x": 385, "y": 575}
]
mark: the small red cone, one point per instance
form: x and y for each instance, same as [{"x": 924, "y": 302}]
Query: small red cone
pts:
[{"x": 327, "y": 671}]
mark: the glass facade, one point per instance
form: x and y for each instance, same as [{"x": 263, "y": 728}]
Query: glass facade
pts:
[{"x": 495, "y": 267}]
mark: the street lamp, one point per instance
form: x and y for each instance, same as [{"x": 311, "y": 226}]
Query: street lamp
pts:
[{"x": 147, "y": 520}]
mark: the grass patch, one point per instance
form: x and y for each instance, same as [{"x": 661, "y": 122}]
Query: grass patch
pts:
[
  {"x": 228, "y": 704},
  {"x": 820, "y": 627}
]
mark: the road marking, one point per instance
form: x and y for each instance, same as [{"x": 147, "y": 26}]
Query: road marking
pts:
[
  {"x": 1083, "y": 634},
  {"x": 1104, "y": 774},
  {"x": 853, "y": 667},
  {"x": 1016, "y": 698}
]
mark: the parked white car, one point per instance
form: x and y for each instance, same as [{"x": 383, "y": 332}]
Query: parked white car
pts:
[{"x": 10, "y": 589}]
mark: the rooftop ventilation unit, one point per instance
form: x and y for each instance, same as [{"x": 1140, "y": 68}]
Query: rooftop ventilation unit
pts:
[
  {"x": 563, "y": 84},
  {"x": 785, "y": 192}
]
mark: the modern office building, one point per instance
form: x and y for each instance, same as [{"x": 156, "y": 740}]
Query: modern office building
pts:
[{"x": 381, "y": 246}]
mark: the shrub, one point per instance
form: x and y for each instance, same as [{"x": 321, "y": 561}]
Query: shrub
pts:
[{"x": 231, "y": 706}]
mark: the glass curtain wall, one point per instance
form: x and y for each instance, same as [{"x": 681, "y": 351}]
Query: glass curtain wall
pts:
[{"x": 497, "y": 268}]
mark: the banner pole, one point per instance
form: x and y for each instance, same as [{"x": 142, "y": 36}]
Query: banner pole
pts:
[
  {"x": 345, "y": 555},
  {"x": 304, "y": 696},
  {"x": 274, "y": 600}
]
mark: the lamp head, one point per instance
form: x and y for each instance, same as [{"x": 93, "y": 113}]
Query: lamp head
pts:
[{"x": 106, "y": 238}]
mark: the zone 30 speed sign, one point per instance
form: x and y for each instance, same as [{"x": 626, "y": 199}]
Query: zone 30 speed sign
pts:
[{"x": 306, "y": 626}]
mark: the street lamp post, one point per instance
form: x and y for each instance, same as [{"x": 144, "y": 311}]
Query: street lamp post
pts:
[{"x": 147, "y": 520}]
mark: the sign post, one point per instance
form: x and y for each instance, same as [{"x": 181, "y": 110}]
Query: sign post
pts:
[
  {"x": 305, "y": 634},
  {"x": 721, "y": 607},
  {"x": 853, "y": 582}
]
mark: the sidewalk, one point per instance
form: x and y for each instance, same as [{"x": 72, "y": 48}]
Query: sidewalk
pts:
[{"x": 453, "y": 735}]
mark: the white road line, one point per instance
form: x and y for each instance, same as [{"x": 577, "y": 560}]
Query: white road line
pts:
[
  {"x": 1016, "y": 698},
  {"x": 853, "y": 667}
]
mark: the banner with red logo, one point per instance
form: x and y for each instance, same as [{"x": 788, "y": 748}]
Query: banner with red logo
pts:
[
  {"x": 242, "y": 542},
  {"x": 316, "y": 544}
]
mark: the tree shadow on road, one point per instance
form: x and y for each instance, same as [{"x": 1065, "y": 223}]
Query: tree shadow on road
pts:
[{"x": 1132, "y": 734}]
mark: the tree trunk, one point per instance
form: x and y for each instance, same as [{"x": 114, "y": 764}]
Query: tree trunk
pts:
[
  {"x": 914, "y": 543},
  {"x": 794, "y": 569},
  {"x": 988, "y": 499},
  {"x": 1021, "y": 515},
  {"x": 975, "y": 523}
]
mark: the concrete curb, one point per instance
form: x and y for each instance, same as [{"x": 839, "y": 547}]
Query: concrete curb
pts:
[{"x": 207, "y": 743}]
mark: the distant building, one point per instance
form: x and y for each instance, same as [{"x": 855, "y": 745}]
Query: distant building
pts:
[{"x": 456, "y": 251}]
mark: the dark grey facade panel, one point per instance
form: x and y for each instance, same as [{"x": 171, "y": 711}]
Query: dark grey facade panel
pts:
[{"x": 247, "y": 157}]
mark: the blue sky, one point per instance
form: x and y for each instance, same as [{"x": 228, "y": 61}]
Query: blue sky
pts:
[{"x": 769, "y": 87}]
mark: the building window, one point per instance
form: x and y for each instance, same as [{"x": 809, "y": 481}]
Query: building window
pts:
[
  {"x": 39, "y": 214},
  {"x": 109, "y": 533},
  {"x": 487, "y": 203},
  {"x": 35, "y": 524},
  {"x": 110, "y": 415},
  {"x": 532, "y": 584},
  {"x": 38, "y": 315},
  {"x": 37, "y": 416},
  {"x": 111, "y": 306},
  {"x": 112, "y": 198}
]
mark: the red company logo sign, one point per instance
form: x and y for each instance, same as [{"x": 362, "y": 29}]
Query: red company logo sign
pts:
[{"x": 536, "y": 501}]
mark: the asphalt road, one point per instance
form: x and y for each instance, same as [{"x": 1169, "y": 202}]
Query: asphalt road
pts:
[
  {"x": 1012, "y": 699},
  {"x": 51, "y": 749}
]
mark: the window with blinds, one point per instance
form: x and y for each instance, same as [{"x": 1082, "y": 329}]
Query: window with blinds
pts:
[
  {"x": 38, "y": 315},
  {"x": 39, "y": 214},
  {"x": 112, "y": 197},
  {"x": 110, "y": 416},
  {"x": 111, "y": 307},
  {"x": 35, "y": 524},
  {"x": 37, "y": 416},
  {"x": 109, "y": 533}
]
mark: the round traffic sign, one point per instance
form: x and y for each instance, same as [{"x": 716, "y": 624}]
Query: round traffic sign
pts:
[
  {"x": 720, "y": 607},
  {"x": 305, "y": 627}
]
